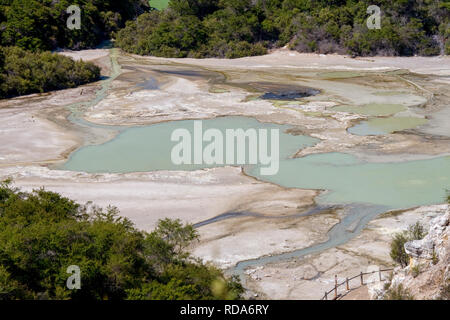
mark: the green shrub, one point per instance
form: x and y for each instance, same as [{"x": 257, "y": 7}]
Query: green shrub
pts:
[
  {"x": 415, "y": 270},
  {"x": 398, "y": 254},
  {"x": 42, "y": 233},
  {"x": 25, "y": 72},
  {"x": 435, "y": 258},
  {"x": 416, "y": 231},
  {"x": 240, "y": 28},
  {"x": 41, "y": 25},
  {"x": 398, "y": 293}
]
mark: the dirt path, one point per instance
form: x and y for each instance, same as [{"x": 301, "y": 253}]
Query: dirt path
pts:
[{"x": 361, "y": 293}]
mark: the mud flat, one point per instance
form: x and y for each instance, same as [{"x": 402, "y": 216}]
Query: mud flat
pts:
[{"x": 228, "y": 242}]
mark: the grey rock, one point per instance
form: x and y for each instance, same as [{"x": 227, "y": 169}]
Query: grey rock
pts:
[{"x": 420, "y": 248}]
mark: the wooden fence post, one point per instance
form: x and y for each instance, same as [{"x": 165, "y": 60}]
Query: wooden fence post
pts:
[
  {"x": 347, "y": 281},
  {"x": 335, "y": 286}
]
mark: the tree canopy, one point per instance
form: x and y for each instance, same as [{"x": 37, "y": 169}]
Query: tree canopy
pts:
[
  {"x": 43, "y": 233},
  {"x": 41, "y": 24},
  {"x": 237, "y": 28},
  {"x": 30, "y": 27},
  {"x": 398, "y": 254},
  {"x": 231, "y": 28},
  {"x": 24, "y": 72}
]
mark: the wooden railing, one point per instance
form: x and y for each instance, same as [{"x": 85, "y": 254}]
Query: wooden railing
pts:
[{"x": 334, "y": 292}]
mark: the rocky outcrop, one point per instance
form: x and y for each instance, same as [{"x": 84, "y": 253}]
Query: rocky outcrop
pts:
[
  {"x": 432, "y": 245},
  {"x": 428, "y": 274},
  {"x": 420, "y": 249}
]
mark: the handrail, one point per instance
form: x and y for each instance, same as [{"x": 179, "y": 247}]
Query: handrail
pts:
[{"x": 347, "y": 280}]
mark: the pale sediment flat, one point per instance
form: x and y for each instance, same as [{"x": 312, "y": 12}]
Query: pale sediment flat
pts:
[
  {"x": 85, "y": 55},
  {"x": 439, "y": 65},
  {"x": 230, "y": 241},
  {"x": 99, "y": 56}
]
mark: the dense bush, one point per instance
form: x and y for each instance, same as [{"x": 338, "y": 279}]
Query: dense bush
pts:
[
  {"x": 43, "y": 233},
  {"x": 398, "y": 293},
  {"x": 23, "y": 72},
  {"x": 41, "y": 24},
  {"x": 231, "y": 28},
  {"x": 236, "y": 28},
  {"x": 398, "y": 253}
]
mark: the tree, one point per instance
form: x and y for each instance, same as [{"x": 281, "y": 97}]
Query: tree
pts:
[
  {"x": 41, "y": 25},
  {"x": 25, "y": 72},
  {"x": 236, "y": 28},
  {"x": 416, "y": 231},
  {"x": 398, "y": 254},
  {"x": 43, "y": 233}
]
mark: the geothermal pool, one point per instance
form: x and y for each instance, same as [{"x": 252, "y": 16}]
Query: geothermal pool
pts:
[
  {"x": 149, "y": 148},
  {"x": 348, "y": 180}
]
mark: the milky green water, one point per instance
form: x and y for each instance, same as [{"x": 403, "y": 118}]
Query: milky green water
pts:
[
  {"x": 394, "y": 185},
  {"x": 366, "y": 190},
  {"x": 148, "y": 148},
  {"x": 381, "y": 126},
  {"x": 372, "y": 109}
]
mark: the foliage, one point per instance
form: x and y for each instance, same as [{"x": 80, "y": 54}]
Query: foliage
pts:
[
  {"x": 434, "y": 258},
  {"x": 42, "y": 25},
  {"x": 415, "y": 270},
  {"x": 23, "y": 72},
  {"x": 237, "y": 28},
  {"x": 398, "y": 254},
  {"x": 230, "y": 28},
  {"x": 398, "y": 293},
  {"x": 445, "y": 292},
  {"x": 43, "y": 233},
  {"x": 416, "y": 231}
]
